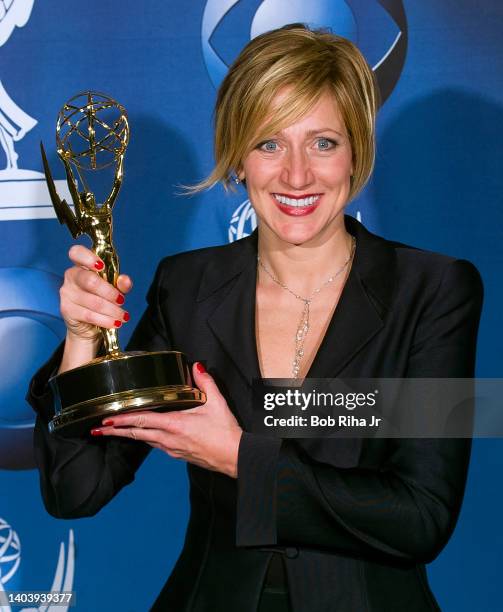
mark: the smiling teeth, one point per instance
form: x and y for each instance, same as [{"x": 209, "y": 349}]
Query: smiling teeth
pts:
[{"x": 298, "y": 203}]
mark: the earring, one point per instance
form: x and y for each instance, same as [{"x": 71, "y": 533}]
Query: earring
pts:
[{"x": 237, "y": 180}]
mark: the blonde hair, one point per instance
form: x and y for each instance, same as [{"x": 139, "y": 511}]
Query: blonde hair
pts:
[{"x": 307, "y": 62}]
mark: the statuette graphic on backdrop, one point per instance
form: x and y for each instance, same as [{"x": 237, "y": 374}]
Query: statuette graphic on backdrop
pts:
[{"x": 92, "y": 134}]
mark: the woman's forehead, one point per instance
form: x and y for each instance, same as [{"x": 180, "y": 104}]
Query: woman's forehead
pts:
[{"x": 316, "y": 114}]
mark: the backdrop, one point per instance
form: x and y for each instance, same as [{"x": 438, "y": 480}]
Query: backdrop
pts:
[{"x": 437, "y": 185}]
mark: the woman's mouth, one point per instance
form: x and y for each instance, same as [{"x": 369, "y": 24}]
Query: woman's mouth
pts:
[{"x": 297, "y": 206}]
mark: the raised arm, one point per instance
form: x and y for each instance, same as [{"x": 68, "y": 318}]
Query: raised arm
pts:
[
  {"x": 119, "y": 175},
  {"x": 80, "y": 475}
]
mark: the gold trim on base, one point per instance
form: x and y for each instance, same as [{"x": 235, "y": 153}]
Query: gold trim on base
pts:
[{"x": 158, "y": 398}]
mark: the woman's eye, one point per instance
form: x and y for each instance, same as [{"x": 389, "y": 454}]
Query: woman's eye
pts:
[
  {"x": 269, "y": 146},
  {"x": 325, "y": 144}
]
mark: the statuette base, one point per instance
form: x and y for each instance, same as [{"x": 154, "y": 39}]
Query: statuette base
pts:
[{"x": 118, "y": 383}]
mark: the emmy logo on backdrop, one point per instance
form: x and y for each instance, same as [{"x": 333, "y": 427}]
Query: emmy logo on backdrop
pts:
[
  {"x": 10, "y": 559},
  {"x": 243, "y": 221},
  {"x": 23, "y": 192}
]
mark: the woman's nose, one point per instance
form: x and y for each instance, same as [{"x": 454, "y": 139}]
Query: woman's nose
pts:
[{"x": 297, "y": 171}]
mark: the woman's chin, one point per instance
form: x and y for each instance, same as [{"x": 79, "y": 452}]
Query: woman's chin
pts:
[
  {"x": 316, "y": 231},
  {"x": 297, "y": 235}
]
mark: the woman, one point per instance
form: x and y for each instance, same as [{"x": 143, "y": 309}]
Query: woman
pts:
[{"x": 305, "y": 525}]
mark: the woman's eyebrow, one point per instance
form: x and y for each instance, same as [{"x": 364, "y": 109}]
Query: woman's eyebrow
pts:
[
  {"x": 320, "y": 130},
  {"x": 317, "y": 131}
]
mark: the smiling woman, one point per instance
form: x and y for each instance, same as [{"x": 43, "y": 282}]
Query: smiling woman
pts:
[
  {"x": 307, "y": 525},
  {"x": 276, "y": 80},
  {"x": 303, "y": 170}
]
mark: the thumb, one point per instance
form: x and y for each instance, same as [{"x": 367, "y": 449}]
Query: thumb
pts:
[
  {"x": 204, "y": 380},
  {"x": 124, "y": 283}
]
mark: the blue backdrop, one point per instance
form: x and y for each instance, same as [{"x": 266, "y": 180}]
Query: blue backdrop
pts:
[{"x": 437, "y": 185}]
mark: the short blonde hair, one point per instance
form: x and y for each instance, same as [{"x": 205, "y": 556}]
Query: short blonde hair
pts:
[{"x": 308, "y": 62}]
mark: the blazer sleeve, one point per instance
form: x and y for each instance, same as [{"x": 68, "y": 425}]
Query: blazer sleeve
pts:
[
  {"x": 78, "y": 476},
  {"x": 404, "y": 510}
]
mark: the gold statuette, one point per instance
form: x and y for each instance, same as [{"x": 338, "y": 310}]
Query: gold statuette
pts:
[{"x": 92, "y": 133}]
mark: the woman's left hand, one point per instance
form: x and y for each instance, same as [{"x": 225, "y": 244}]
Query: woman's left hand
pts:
[{"x": 207, "y": 436}]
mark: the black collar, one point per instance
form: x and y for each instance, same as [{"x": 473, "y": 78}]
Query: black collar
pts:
[{"x": 231, "y": 274}]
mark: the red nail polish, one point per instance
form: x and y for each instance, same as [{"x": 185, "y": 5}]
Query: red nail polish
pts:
[
  {"x": 120, "y": 299},
  {"x": 96, "y": 432},
  {"x": 126, "y": 316},
  {"x": 108, "y": 422},
  {"x": 99, "y": 265},
  {"x": 200, "y": 368},
  {"x": 117, "y": 323}
]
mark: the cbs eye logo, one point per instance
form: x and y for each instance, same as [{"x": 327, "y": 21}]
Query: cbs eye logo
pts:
[
  {"x": 30, "y": 327},
  {"x": 377, "y": 27}
]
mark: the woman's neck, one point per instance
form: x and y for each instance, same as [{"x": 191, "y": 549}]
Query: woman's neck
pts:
[{"x": 303, "y": 268}]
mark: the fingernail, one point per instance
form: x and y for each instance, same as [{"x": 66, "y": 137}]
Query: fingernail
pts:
[
  {"x": 99, "y": 265},
  {"x": 200, "y": 368},
  {"x": 117, "y": 323},
  {"x": 120, "y": 299},
  {"x": 126, "y": 316},
  {"x": 108, "y": 422},
  {"x": 96, "y": 432}
]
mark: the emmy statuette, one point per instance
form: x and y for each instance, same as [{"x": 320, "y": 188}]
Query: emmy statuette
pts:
[{"x": 92, "y": 133}]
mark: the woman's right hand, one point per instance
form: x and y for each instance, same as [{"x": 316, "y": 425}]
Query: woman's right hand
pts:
[{"x": 87, "y": 301}]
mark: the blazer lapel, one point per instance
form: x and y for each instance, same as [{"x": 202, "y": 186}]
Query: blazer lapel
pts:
[
  {"x": 359, "y": 315},
  {"x": 230, "y": 278},
  {"x": 232, "y": 282}
]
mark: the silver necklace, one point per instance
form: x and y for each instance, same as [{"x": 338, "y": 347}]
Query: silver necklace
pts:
[{"x": 303, "y": 327}]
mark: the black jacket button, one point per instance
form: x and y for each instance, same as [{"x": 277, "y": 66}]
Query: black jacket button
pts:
[{"x": 292, "y": 552}]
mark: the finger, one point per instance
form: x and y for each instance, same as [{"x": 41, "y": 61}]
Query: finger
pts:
[
  {"x": 75, "y": 312},
  {"x": 92, "y": 283},
  {"x": 170, "y": 422},
  {"x": 84, "y": 257},
  {"x": 161, "y": 439},
  {"x": 134, "y": 433},
  {"x": 124, "y": 283},
  {"x": 98, "y": 305},
  {"x": 205, "y": 381},
  {"x": 87, "y": 259},
  {"x": 88, "y": 290}
]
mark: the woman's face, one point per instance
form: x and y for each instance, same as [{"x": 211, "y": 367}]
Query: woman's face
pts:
[{"x": 298, "y": 180}]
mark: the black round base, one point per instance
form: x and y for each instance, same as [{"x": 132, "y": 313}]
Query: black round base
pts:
[{"x": 118, "y": 383}]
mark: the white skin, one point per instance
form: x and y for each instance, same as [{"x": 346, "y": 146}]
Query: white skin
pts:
[{"x": 311, "y": 156}]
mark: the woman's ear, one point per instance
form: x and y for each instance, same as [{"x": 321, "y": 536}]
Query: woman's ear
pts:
[{"x": 240, "y": 177}]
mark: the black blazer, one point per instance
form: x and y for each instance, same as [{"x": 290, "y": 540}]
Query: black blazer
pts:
[{"x": 355, "y": 520}]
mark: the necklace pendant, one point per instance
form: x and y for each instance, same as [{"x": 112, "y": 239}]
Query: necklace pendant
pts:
[
  {"x": 300, "y": 338},
  {"x": 303, "y": 327}
]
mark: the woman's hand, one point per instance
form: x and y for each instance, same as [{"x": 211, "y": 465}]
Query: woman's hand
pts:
[
  {"x": 207, "y": 436},
  {"x": 87, "y": 301}
]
